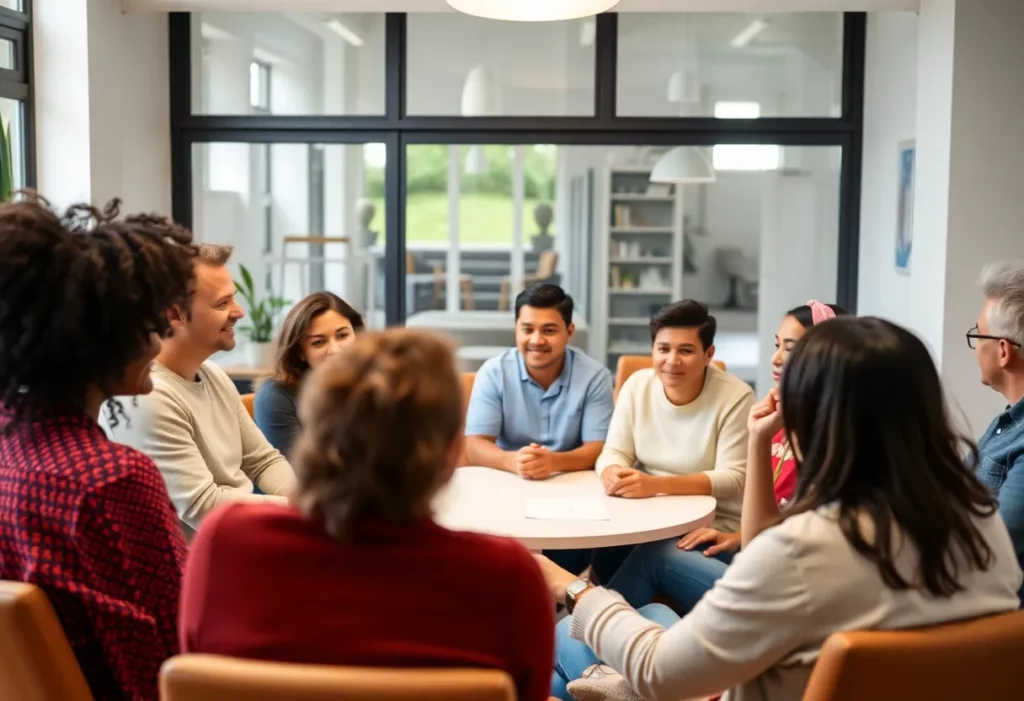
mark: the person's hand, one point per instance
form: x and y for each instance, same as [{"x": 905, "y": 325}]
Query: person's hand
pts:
[
  {"x": 716, "y": 541},
  {"x": 557, "y": 579},
  {"x": 765, "y": 418},
  {"x": 535, "y": 462},
  {"x": 610, "y": 479},
  {"x": 633, "y": 484}
]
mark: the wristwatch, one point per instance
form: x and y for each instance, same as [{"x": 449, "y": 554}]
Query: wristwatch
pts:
[{"x": 573, "y": 592}]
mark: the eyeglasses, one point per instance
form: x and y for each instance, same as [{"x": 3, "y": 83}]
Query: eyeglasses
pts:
[{"x": 973, "y": 337}]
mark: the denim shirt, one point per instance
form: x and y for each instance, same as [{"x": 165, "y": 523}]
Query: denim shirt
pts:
[{"x": 1001, "y": 469}]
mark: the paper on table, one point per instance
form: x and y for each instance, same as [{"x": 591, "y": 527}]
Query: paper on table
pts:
[{"x": 567, "y": 509}]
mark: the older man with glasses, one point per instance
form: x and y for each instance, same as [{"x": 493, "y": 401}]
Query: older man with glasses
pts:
[{"x": 996, "y": 341}]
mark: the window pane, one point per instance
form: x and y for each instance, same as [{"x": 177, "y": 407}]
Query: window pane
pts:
[
  {"x": 7, "y": 54},
  {"x": 314, "y": 63},
  {"x": 460, "y": 65},
  {"x": 484, "y": 220},
  {"x": 12, "y": 156},
  {"x": 267, "y": 200},
  {"x": 12, "y": 5},
  {"x": 686, "y": 64}
]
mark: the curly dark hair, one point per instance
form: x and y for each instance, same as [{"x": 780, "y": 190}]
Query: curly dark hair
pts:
[{"x": 80, "y": 294}]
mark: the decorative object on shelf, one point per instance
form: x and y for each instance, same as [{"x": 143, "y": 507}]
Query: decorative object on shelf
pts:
[
  {"x": 905, "y": 211},
  {"x": 365, "y": 212},
  {"x": 533, "y": 10},
  {"x": 542, "y": 216},
  {"x": 683, "y": 164},
  {"x": 263, "y": 316},
  {"x": 658, "y": 190}
]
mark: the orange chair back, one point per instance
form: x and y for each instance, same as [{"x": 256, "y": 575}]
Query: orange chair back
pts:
[
  {"x": 628, "y": 364},
  {"x": 247, "y": 402},
  {"x": 468, "y": 378},
  {"x": 214, "y": 678},
  {"x": 36, "y": 660},
  {"x": 975, "y": 659}
]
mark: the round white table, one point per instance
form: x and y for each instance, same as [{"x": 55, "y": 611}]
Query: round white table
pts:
[{"x": 491, "y": 501}]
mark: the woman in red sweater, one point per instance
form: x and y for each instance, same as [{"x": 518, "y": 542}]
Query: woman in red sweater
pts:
[{"x": 356, "y": 572}]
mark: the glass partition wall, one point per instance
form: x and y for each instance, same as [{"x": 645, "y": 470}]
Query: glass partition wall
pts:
[{"x": 427, "y": 169}]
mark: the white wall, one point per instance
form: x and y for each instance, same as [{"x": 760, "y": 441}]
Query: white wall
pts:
[
  {"x": 102, "y": 113},
  {"x": 890, "y": 97},
  {"x": 968, "y": 209}
]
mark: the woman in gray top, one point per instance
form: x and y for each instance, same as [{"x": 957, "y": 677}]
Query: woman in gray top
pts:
[{"x": 316, "y": 328}]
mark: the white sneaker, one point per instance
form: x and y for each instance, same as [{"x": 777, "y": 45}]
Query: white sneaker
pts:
[{"x": 602, "y": 683}]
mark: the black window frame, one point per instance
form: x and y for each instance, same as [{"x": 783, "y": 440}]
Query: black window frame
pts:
[
  {"x": 16, "y": 83},
  {"x": 396, "y": 130}
]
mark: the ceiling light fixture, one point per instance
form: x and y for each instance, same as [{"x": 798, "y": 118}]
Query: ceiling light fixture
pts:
[
  {"x": 532, "y": 10},
  {"x": 344, "y": 31},
  {"x": 683, "y": 164},
  {"x": 749, "y": 33}
]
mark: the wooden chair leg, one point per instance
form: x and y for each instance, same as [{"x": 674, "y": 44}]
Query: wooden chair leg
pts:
[
  {"x": 504, "y": 295},
  {"x": 468, "y": 301}
]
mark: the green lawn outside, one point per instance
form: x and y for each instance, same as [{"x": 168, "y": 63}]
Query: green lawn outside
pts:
[{"x": 483, "y": 219}]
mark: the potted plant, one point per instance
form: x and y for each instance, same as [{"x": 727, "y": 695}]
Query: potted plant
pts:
[
  {"x": 262, "y": 319},
  {"x": 6, "y": 163}
]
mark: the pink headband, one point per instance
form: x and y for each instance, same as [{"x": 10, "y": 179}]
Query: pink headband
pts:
[{"x": 820, "y": 312}]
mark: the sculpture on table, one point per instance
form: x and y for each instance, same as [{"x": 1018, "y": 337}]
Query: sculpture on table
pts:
[
  {"x": 542, "y": 216},
  {"x": 365, "y": 212}
]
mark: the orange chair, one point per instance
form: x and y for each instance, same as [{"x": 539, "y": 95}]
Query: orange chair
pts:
[
  {"x": 247, "y": 401},
  {"x": 628, "y": 364},
  {"x": 468, "y": 378},
  {"x": 975, "y": 659},
  {"x": 215, "y": 678},
  {"x": 36, "y": 660}
]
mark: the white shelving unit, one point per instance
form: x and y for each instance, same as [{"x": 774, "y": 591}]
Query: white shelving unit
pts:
[{"x": 639, "y": 259}]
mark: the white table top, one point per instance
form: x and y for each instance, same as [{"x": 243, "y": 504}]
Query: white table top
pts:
[{"x": 490, "y": 501}]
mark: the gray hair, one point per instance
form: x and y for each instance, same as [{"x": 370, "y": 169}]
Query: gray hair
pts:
[{"x": 1003, "y": 283}]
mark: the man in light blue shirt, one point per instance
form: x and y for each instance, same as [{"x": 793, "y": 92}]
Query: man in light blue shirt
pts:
[{"x": 542, "y": 407}]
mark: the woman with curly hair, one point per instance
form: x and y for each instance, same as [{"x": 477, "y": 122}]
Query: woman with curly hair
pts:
[
  {"x": 89, "y": 521},
  {"x": 315, "y": 329}
]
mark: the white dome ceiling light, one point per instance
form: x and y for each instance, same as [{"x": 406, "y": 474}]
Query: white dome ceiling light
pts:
[
  {"x": 532, "y": 10},
  {"x": 683, "y": 164}
]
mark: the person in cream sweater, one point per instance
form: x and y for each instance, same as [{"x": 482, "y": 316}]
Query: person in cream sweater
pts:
[
  {"x": 678, "y": 428},
  {"x": 193, "y": 425}
]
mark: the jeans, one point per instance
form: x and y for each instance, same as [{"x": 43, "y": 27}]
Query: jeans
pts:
[
  {"x": 605, "y": 561},
  {"x": 572, "y": 657},
  {"x": 662, "y": 568}
]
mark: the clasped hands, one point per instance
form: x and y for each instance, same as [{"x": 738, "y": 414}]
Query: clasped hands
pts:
[
  {"x": 534, "y": 462},
  {"x": 629, "y": 483}
]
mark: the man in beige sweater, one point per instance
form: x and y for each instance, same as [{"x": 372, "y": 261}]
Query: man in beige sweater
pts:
[{"x": 193, "y": 424}]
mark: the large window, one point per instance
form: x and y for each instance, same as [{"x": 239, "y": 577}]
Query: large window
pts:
[
  {"x": 288, "y": 63},
  {"x": 684, "y": 64},
  {"x": 462, "y": 159},
  {"x": 16, "y": 157}
]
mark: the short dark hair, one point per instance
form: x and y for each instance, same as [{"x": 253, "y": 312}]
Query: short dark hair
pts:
[
  {"x": 545, "y": 295},
  {"x": 805, "y": 317},
  {"x": 289, "y": 367},
  {"x": 686, "y": 314},
  {"x": 350, "y": 461},
  {"x": 863, "y": 404},
  {"x": 80, "y": 294}
]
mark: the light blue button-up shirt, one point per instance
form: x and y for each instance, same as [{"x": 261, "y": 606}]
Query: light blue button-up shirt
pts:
[
  {"x": 1001, "y": 469},
  {"x": 508, "y": 404}
]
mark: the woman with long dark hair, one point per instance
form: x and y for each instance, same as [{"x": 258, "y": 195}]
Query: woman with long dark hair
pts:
[
  {"x": 887, "y": 529},
  {"x": 315, "y": 329}
]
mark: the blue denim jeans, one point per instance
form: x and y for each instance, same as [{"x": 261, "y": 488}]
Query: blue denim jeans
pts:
[
  {"x": 662, "y": 568},
  {"x": 605, "y": 561},
  {"x": 573, "y": 657}
]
